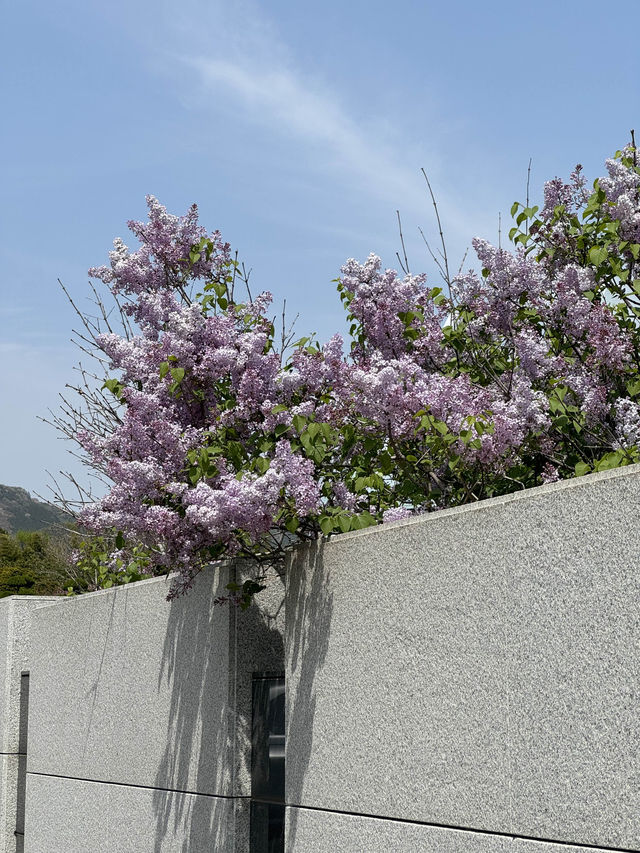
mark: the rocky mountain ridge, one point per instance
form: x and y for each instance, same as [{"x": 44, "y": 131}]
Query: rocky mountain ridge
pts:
[{"x": 19, "y": 511}]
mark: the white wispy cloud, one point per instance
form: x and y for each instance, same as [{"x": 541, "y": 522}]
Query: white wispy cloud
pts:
[
  {"x": 284, "y": 100},
  {"x": 268, "y": 84}
]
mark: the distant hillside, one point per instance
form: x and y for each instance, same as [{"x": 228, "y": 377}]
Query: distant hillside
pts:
[{"x": 19, "y": 511}]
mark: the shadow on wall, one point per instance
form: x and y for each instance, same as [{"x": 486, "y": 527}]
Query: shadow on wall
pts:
[
  {"x": 208, "y": 745},
  {"x": 309, "y": 606}
]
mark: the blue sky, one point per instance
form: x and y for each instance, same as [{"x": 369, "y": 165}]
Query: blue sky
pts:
[{"x": 298, "y": 128}]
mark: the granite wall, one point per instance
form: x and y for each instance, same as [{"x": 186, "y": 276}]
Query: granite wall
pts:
[
  {"x": 15, "y": 653},
  {"x": 140, "y": 719},
  {"x": 474, "y": 669},
  {"x": 463, "y": 681}
]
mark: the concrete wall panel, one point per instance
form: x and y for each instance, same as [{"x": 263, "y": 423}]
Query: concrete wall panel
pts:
[
  {"x": 475, "y": 667},
  {"x": 15, "y": 620},
  {"x": 4, "y": 664},
  {"x": 12, "y": 776},
  {"x": 327, "y": 832},
  {"x": 129, "y": 688},
  {"x": 152, "y": 697},
  {"x": 76, "y": 816},
  {"x": 15, "y": 613}
]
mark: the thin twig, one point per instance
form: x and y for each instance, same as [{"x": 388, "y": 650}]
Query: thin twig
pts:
[
  {"x": 405, "y": 266},
  {"x": 528, "y": 182},
  {"x": 464, "y": 258},
  {"x": 444, "y": 246},
  {"x": 435, "y": 259}
]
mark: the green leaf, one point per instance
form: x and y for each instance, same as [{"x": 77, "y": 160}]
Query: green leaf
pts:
[
  {"x": 114, "y": 386},
  {"x": 345, "y": 523},
  {"x": 610, "y": 460},
  {"x": 360, "y": 484},
  {"x": 299, "y": 423},
  {"x": 326, "y": 525},
  {"x": 597, "y": 255},
  {"x": 582, "y": 468},
  {"x": 292, "y": 524}
]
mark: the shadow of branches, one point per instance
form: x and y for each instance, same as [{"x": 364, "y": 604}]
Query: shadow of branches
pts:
[
  {"x": 210, "y": 653},
  {"x": 309, "y": 604}
]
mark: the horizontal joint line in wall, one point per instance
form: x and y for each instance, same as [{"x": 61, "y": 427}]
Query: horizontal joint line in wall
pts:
[
  {"x": 581, "y": 844},
  {"x": 23, "y": 754},
  {"x": 142, "y": 787}
]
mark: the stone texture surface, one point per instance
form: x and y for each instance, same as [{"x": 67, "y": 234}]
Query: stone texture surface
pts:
[
  {"x": 15, "y": 616},
  {"x": 12, "y": 768},
  {"x": 327, "y": 832},
  {"x": 130, "y": 689},
  {"x": 476, "y": 667},
  {"x": 127, "y": 687},
  {"x": 259, "y": 648},
  {"x": 75, "y": 816},
  {"x": 15, "y": 613},
  {"x": 5, "y": 607}
]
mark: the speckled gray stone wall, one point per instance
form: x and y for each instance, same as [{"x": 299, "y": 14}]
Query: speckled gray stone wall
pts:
[
  {"x": 325, "y": 832},
  {"x": 78, "y": 816},
  {"x": 468, "y": 679},
  {"x": 475, "y": 668},
  {"x": 142, "y": 708},
  {"x": 15, "y": 612}
]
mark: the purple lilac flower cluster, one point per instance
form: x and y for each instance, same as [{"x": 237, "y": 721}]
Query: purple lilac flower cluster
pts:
[{"x": 519, "y": 376}]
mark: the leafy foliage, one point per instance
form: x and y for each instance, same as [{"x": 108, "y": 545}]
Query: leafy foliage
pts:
[{"x": 31, "y": 563}]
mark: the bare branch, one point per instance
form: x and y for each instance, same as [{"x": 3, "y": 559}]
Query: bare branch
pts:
[
  {"x": 528, "y": 182},
  {"x": 435, "y": 259},
  {"x": 442, "y": 240},
  {"x": 405, "y": 265}
]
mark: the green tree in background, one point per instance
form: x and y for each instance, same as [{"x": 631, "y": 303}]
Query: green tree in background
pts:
[{"x": 32, "y": 563}]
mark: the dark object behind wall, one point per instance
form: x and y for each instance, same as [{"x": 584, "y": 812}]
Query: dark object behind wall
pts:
[
  {"x": 267, "y": 764},
  {"x": 22, "y": 761}
]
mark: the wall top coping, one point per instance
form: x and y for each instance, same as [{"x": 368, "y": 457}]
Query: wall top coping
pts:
[
  {"x": 589, "y": 480},
  {"x": 119, "y": 589},
  {"x": 586, "y": 481},
  {"x": 49, "y": 599}
]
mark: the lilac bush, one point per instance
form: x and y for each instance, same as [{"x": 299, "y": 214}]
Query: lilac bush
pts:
[{"x": 228, "y": 443}]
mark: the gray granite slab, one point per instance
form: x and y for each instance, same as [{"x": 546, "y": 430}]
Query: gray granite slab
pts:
[
  {"x": 127, "y": 687},
  {"x": 75, "y": 816},
  {"x": 327, "y": 832},
  {"x": 12, "y": 769},
  {"x": 475, "y": 667},
  {"x": 15, "y": 620}
]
